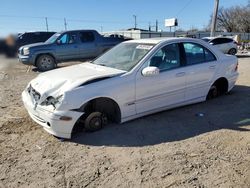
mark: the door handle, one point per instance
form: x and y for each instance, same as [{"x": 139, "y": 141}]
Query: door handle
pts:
[
  {"x": 212, "y": 67},
  {"x": 180, "y": 74}
]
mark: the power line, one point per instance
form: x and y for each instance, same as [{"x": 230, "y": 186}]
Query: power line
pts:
[{"x": 185, "y": 6}]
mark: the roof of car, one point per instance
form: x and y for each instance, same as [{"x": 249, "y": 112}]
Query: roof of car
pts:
[
  {"x": 78, "y": 30},
  {"x": 220, "y": 37},
  {"x": 159, "y": 40}
]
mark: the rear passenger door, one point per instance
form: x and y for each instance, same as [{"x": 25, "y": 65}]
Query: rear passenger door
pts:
[
  {"x": 87, "y": 47},
  {"x": 201, "y": 64}
]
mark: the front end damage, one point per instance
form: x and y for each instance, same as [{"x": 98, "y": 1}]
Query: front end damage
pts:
[{"x": 59, "y": 123}]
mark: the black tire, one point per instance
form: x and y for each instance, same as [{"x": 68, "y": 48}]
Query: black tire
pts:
[
  {"x": 45, "y": 63},
  {"x": 232, "y": 51},
  {"x": 213, "y": 92},
  {"x": 95, "y": 121}
]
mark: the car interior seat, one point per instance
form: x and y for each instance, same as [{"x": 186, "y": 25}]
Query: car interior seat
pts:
[{"x": 156, "y": 61}]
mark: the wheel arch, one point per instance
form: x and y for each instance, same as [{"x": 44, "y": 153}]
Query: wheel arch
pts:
[
  {"x": 44, "y": 53},
  {"x": 104, "y": 104},
  {"x": 233, "y": 48},
  {"x": 222, "y": 84}
]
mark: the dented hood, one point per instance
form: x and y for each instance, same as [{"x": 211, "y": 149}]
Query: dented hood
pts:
[{"x": 56, "y": 82}]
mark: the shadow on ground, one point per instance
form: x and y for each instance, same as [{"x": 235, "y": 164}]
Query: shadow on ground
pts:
[{"x": 231, "y": 111}]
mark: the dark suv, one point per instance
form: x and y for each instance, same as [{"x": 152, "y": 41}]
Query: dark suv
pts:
[{"x": 14, "y": 42}]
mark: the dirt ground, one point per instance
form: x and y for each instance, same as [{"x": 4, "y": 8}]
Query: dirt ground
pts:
[{"x": 174, "y": 148}]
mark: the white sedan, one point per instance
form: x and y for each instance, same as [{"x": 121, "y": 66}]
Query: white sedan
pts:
[{"x": 133, "y": 79}]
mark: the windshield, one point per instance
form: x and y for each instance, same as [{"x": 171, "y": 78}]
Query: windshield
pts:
[
  {"x": 53, "y": 38},
  {"x": 124, "y": 56}
]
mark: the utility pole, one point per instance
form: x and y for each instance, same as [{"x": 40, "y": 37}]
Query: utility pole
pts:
[
  {"x": 156, "y": 25},
  {"x": 65, "y": 24},
  {"x": 149, "y": 26},
  {"x": 135, "y": 21},
  {"x": 47, "y": 26},
  {"x": 213, "y": 27}
]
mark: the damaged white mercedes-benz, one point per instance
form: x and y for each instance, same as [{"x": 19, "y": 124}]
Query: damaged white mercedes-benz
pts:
[{"x": 133, "y": 79}]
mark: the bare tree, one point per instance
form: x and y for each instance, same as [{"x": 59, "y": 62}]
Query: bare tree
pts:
[{"x": 234, "y": 19}]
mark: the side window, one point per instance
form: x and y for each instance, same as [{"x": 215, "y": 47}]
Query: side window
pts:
[
  {"x": 87, "y": 37},
  {"x": 196, "y": 54},
  {"x": 29, "y": 38},
  {"x": 37, "y": 37},
  {"x": 228, "y": 40},
  {"x": 166, "y": 58},
  {"x": 68, "y": 38},
  {"x": 64, "y": 39},
  {"x": 216, "y": 41},
  {"x": 209, "y": 56}
]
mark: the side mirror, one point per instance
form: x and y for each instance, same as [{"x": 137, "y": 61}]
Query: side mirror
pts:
[{"x": 150, "y": 71}]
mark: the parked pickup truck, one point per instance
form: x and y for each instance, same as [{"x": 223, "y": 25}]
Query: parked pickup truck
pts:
[{"x": 65, "y": 46}]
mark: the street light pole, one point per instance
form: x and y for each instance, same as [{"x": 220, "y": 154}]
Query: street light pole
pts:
[{"x": 213, "y": 27}]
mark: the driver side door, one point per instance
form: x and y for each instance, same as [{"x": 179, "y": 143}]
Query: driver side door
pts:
[
  {"x": 67, "y": 46},
  {"x": 165, "y": 89}
]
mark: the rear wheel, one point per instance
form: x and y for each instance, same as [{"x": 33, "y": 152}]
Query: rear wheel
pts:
[
  {"x": 213, "y": 92},
  {"x": 45, "y": 63},
  {"x": 232, "y": 51}
]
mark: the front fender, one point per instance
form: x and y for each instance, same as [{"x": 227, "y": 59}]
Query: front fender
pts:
[{"x": 37, "y": 53}]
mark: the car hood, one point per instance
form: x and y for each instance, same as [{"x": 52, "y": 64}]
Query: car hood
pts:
[
  {"x": 56, "y": 82},
  {"x": 34, "y": 45}
]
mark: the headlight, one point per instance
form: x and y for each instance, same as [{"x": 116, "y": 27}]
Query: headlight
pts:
[
  {"x": 52, "y": 101},
  {"x": 26, "y": 51}
]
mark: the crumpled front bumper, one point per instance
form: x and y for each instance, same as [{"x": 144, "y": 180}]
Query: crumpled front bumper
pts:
[{"x": 51, "y": 120}]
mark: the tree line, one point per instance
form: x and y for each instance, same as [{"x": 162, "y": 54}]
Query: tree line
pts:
[{"x": 234, "y": 19}]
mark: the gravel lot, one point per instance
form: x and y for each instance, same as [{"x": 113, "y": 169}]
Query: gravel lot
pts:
[{"x": 174, "y": 148}]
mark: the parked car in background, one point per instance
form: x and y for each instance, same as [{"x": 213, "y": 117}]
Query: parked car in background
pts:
[
  {"x": 65, "y": 46},
  {"x": 133, "y": 79},
  {"x": 120, "y": 37},
  {"x": 224, "y": 44},
  {"x": 2, "y": 45},
  {"x": 14, "y": 42}
]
